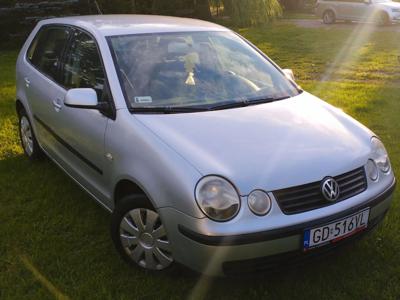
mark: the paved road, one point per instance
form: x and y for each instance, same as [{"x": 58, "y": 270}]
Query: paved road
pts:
[{"x": 311, "y": 23}]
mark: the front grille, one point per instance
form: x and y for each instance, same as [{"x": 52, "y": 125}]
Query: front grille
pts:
[{"x": 308, "y": 197}]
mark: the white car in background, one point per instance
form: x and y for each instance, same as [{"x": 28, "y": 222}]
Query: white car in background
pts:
[{"x": 383, "y": 12}]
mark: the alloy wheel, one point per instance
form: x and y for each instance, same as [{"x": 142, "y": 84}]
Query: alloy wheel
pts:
[{"x": 329, "y": 17}]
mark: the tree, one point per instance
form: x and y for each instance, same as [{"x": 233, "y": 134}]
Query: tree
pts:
[
  {"x": 202, "y": 9},
  {"x": 241, "y": 12},
  {"x": 252, "y": 12},
  {"x": 195, "y": 8},
  {"x": 292, "y": 4},
  {"x": 228, "y": 7}
]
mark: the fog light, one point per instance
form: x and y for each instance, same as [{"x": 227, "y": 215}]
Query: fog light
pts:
[
  {"x": 372, "y": 170},
  {"x": 259, "y": 202}
]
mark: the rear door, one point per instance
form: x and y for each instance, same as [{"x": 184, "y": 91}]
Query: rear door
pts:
[{"x": 42, "y": 81}]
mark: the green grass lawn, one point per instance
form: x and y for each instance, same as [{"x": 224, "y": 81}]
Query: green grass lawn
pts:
[{"x": 54, "y": 239}]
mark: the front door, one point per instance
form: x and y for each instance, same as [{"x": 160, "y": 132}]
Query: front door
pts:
[
  {"x": 81, "y": 131},
  {"x": 361, "y": 10}
]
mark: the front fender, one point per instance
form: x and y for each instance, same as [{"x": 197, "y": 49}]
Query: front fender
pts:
[{"x": 141, "y": 157}]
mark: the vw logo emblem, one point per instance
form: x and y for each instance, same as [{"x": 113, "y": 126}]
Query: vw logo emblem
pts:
[{"x": 330, "y": 189}]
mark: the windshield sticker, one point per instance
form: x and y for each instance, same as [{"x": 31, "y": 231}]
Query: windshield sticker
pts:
[{"x": 143, "y": 99}]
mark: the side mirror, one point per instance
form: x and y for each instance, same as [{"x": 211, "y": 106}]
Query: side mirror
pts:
[
  {"x": 289, "y": 74},
  {"x": 82, "y": 98}
]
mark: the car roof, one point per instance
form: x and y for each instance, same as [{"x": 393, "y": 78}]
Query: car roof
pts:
[{"x": 109, "y": 25}]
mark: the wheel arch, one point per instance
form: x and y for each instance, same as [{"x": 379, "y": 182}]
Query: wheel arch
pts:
[
  {"x": 125, "y": 187},
  {"x": 19, "y": 106},
  {"x": 329, "y": 8},
  {"x": 385, "y": 13}
]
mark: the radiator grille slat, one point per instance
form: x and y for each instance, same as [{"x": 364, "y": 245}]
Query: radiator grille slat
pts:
[
  {"x": 351, "y": 180},
  {"x": 308, "y": 196},
  {"x": 296, "y": 198}
]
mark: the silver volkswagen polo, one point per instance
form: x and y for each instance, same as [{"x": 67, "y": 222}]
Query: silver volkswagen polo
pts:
[{"x": 204, "y": 150}]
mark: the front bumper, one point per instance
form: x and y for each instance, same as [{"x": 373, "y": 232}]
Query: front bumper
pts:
[{"x": 231, "y": 254}]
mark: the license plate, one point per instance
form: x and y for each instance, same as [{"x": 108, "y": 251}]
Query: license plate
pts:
[{"x": 336, "y": 231}]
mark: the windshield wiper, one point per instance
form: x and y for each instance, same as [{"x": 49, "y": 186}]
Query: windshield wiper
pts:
[
  {"x": 191, "y": 109},
  {"x": 167, "y": 109},
  {"x": 266, "y": 100},
  {"x": 246, "y": 102}
]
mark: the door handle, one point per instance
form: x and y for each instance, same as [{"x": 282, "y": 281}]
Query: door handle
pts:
[
  {"x": 27, "y": 82},
  {"x": 57, "y": 104}
]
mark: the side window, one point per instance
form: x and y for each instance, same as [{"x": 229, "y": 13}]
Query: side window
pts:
[
  {"x": 83, "y": 67},
  {"x": 32, "y": 47},
  {"x": 46, "y": 49}
]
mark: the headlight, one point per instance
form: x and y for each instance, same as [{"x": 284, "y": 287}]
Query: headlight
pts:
[
  {"x": 372, "y": 170},
  {"x": 259, "y": 202},
  {"x": 217, "y": 198},
  {"x": 379, "y": 155},
  {"x": 396, "y": 10}
]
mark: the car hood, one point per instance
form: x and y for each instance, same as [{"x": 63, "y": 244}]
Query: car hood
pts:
[
  {"x": 268, "y": 146},
  {"x": 391, "y": 4}
]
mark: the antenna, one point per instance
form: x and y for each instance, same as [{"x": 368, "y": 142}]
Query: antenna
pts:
[{"x": 98, "y": 7}]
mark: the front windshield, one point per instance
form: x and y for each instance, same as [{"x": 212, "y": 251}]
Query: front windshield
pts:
[{"x": 196, "y": 69}]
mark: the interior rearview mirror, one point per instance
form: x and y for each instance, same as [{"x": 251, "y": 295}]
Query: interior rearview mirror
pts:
[
  {"x": 81, "y": 98},
  {"x": 289, "y": 74}
]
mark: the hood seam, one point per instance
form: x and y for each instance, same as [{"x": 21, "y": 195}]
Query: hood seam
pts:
[{"x": 168, "y": 145}]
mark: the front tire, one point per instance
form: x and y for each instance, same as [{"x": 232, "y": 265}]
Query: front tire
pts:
[
  {"x": 329, "y": 17},
  {"x": 28, "y": 139},
  {"x": 139, "y": 235},
  {"x": 383, "y": 19}
]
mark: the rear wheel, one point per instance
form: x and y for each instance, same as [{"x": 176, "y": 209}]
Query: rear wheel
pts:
[
  {"x": 28, "y": 140},
  {"x": 329, "y": 17},
  {"x": 139, "y": 235}
]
